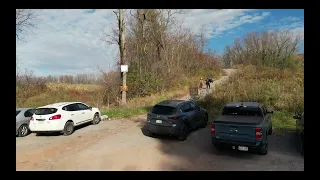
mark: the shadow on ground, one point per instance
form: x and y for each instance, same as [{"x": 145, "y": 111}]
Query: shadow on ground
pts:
[
  {"x": 60, "y": 134},
  {"x": 197, "y": 153}
]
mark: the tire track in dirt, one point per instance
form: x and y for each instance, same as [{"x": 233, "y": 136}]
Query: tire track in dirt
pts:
[{"x": 34, "y": 159}]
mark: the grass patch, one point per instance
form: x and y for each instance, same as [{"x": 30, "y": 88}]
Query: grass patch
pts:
[
  {"x": 78, "y": 87},
  {"x": 280, "y": 90},
  {"x": 124, "y": 112},
  {"x": 283, "y": 121}
]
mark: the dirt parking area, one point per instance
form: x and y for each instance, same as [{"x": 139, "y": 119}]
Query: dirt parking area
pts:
[{"x": 121, "y": 145}]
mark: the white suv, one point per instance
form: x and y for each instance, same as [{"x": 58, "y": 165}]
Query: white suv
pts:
[{"x": 63, "y": 117}]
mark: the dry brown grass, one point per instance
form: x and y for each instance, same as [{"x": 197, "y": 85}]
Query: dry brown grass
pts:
[
  {"x": 93, "y": 95},
  {"x": 280, "y": 90},
  {"x": 78, "y": 87},
  {"x": 58, "y": 92},
  {"x": 87, "y": 93}
]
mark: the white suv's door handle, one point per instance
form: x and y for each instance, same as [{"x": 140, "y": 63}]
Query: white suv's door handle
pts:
[
  {"x": 72, "y": 114},
  {"x": 83, "y": 112}
]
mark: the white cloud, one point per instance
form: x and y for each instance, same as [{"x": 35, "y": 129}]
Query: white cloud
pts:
[
  {"x": 265, "y": 13},
  {"x": 294, "y": 24},
  {"x": 219, "y": 21},
  {"x": 69, "y": 41},
  {"x": 299, "y": 31},
  {"x": 290, "y": 18}
]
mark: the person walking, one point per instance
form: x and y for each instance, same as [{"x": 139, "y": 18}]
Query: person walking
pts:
[
  {"x": 201, "y": 84},
  {"x": 208, "y": 81}
]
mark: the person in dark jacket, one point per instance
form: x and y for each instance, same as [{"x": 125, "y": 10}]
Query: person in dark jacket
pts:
[{"x": 208, "y": 81}]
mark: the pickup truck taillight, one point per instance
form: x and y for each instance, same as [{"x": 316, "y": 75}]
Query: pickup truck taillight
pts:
[
  {"x": 258, "y": 133},
  {"x": 213, "y": 131}
]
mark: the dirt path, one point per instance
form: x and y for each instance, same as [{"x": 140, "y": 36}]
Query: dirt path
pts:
[
  {"x": 222, "y": 79},
  {"x": 121, "y": 145}
]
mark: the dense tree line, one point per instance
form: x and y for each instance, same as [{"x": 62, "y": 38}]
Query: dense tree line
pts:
[
  {"x": 160, "y": 51},
  {"x": 278, "y": 49},
  {"x": 28, "y": 77}
]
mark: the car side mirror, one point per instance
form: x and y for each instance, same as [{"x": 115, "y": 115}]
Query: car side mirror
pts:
[
  {"x": 270, "y": 112},
  {"x": 90, "y": 108},
  {"x": 297, "y": 116}
]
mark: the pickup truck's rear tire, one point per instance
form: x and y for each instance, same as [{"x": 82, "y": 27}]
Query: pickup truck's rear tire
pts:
[
  {"x": 217, "y": 146},
  {"x": 270, "y": 131},
  {"x": 302, "y": 145},
  {"x": 264, "y": 149}
]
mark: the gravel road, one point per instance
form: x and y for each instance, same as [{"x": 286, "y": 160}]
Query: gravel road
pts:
[{"x": 121, "y": 145}]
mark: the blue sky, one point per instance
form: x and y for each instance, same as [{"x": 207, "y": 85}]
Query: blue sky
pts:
[
  {"x": 278, "y": 19},
  {"x": 69, "y": 41}
]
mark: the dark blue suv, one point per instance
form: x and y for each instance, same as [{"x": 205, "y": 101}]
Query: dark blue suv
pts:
[{"x": 176, "y": 118}]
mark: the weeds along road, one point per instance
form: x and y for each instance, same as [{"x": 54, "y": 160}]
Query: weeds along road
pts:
[{"x": 121, "y": 145}]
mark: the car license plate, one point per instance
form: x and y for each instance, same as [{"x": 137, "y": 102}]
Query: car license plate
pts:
[
  {"x": 242, "y": 148},
  {"x": 41, "y": 122},
  {"x": 158, "y": 121}
]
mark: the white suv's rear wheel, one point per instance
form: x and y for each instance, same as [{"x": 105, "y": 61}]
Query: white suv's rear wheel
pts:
[{"x": 68, "y": 129}]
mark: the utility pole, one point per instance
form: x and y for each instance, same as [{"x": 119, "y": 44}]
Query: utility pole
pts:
[{"x": 122, "y": 32}]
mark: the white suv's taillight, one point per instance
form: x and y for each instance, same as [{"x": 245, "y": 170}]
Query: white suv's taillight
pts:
[{"x": 55, "y": 117}]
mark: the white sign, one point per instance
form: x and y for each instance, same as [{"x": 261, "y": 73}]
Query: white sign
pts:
[{"x": 124, "y": 68}]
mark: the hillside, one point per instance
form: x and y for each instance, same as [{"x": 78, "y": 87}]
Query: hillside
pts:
[
  {"x": 40, "y": 93},
  {"x": 280, "y": 90}
]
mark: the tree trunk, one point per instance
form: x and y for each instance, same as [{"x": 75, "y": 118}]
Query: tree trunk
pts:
[{"x": 122, "y": 54}]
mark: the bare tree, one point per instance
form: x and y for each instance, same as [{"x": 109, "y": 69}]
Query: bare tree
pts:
[
  {"x": 25, "y": 22},
  {"x": 117, "y": 36},
  {"x": 274, "y": 49},
  {"x": 122, "y": 49},
  {"x": 160, "y": 51},
  {"x": 203, "y": 40}
]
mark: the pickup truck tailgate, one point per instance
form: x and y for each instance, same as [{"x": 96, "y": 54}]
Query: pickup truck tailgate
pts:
[{"x": 235, "y": 132}]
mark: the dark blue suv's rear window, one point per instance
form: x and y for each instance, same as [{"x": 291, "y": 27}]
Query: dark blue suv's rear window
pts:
[{"x": 164, "y": 110}]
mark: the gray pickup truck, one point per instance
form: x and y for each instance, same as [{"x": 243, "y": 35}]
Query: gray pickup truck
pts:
[{"x": 243, "y": 125}]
